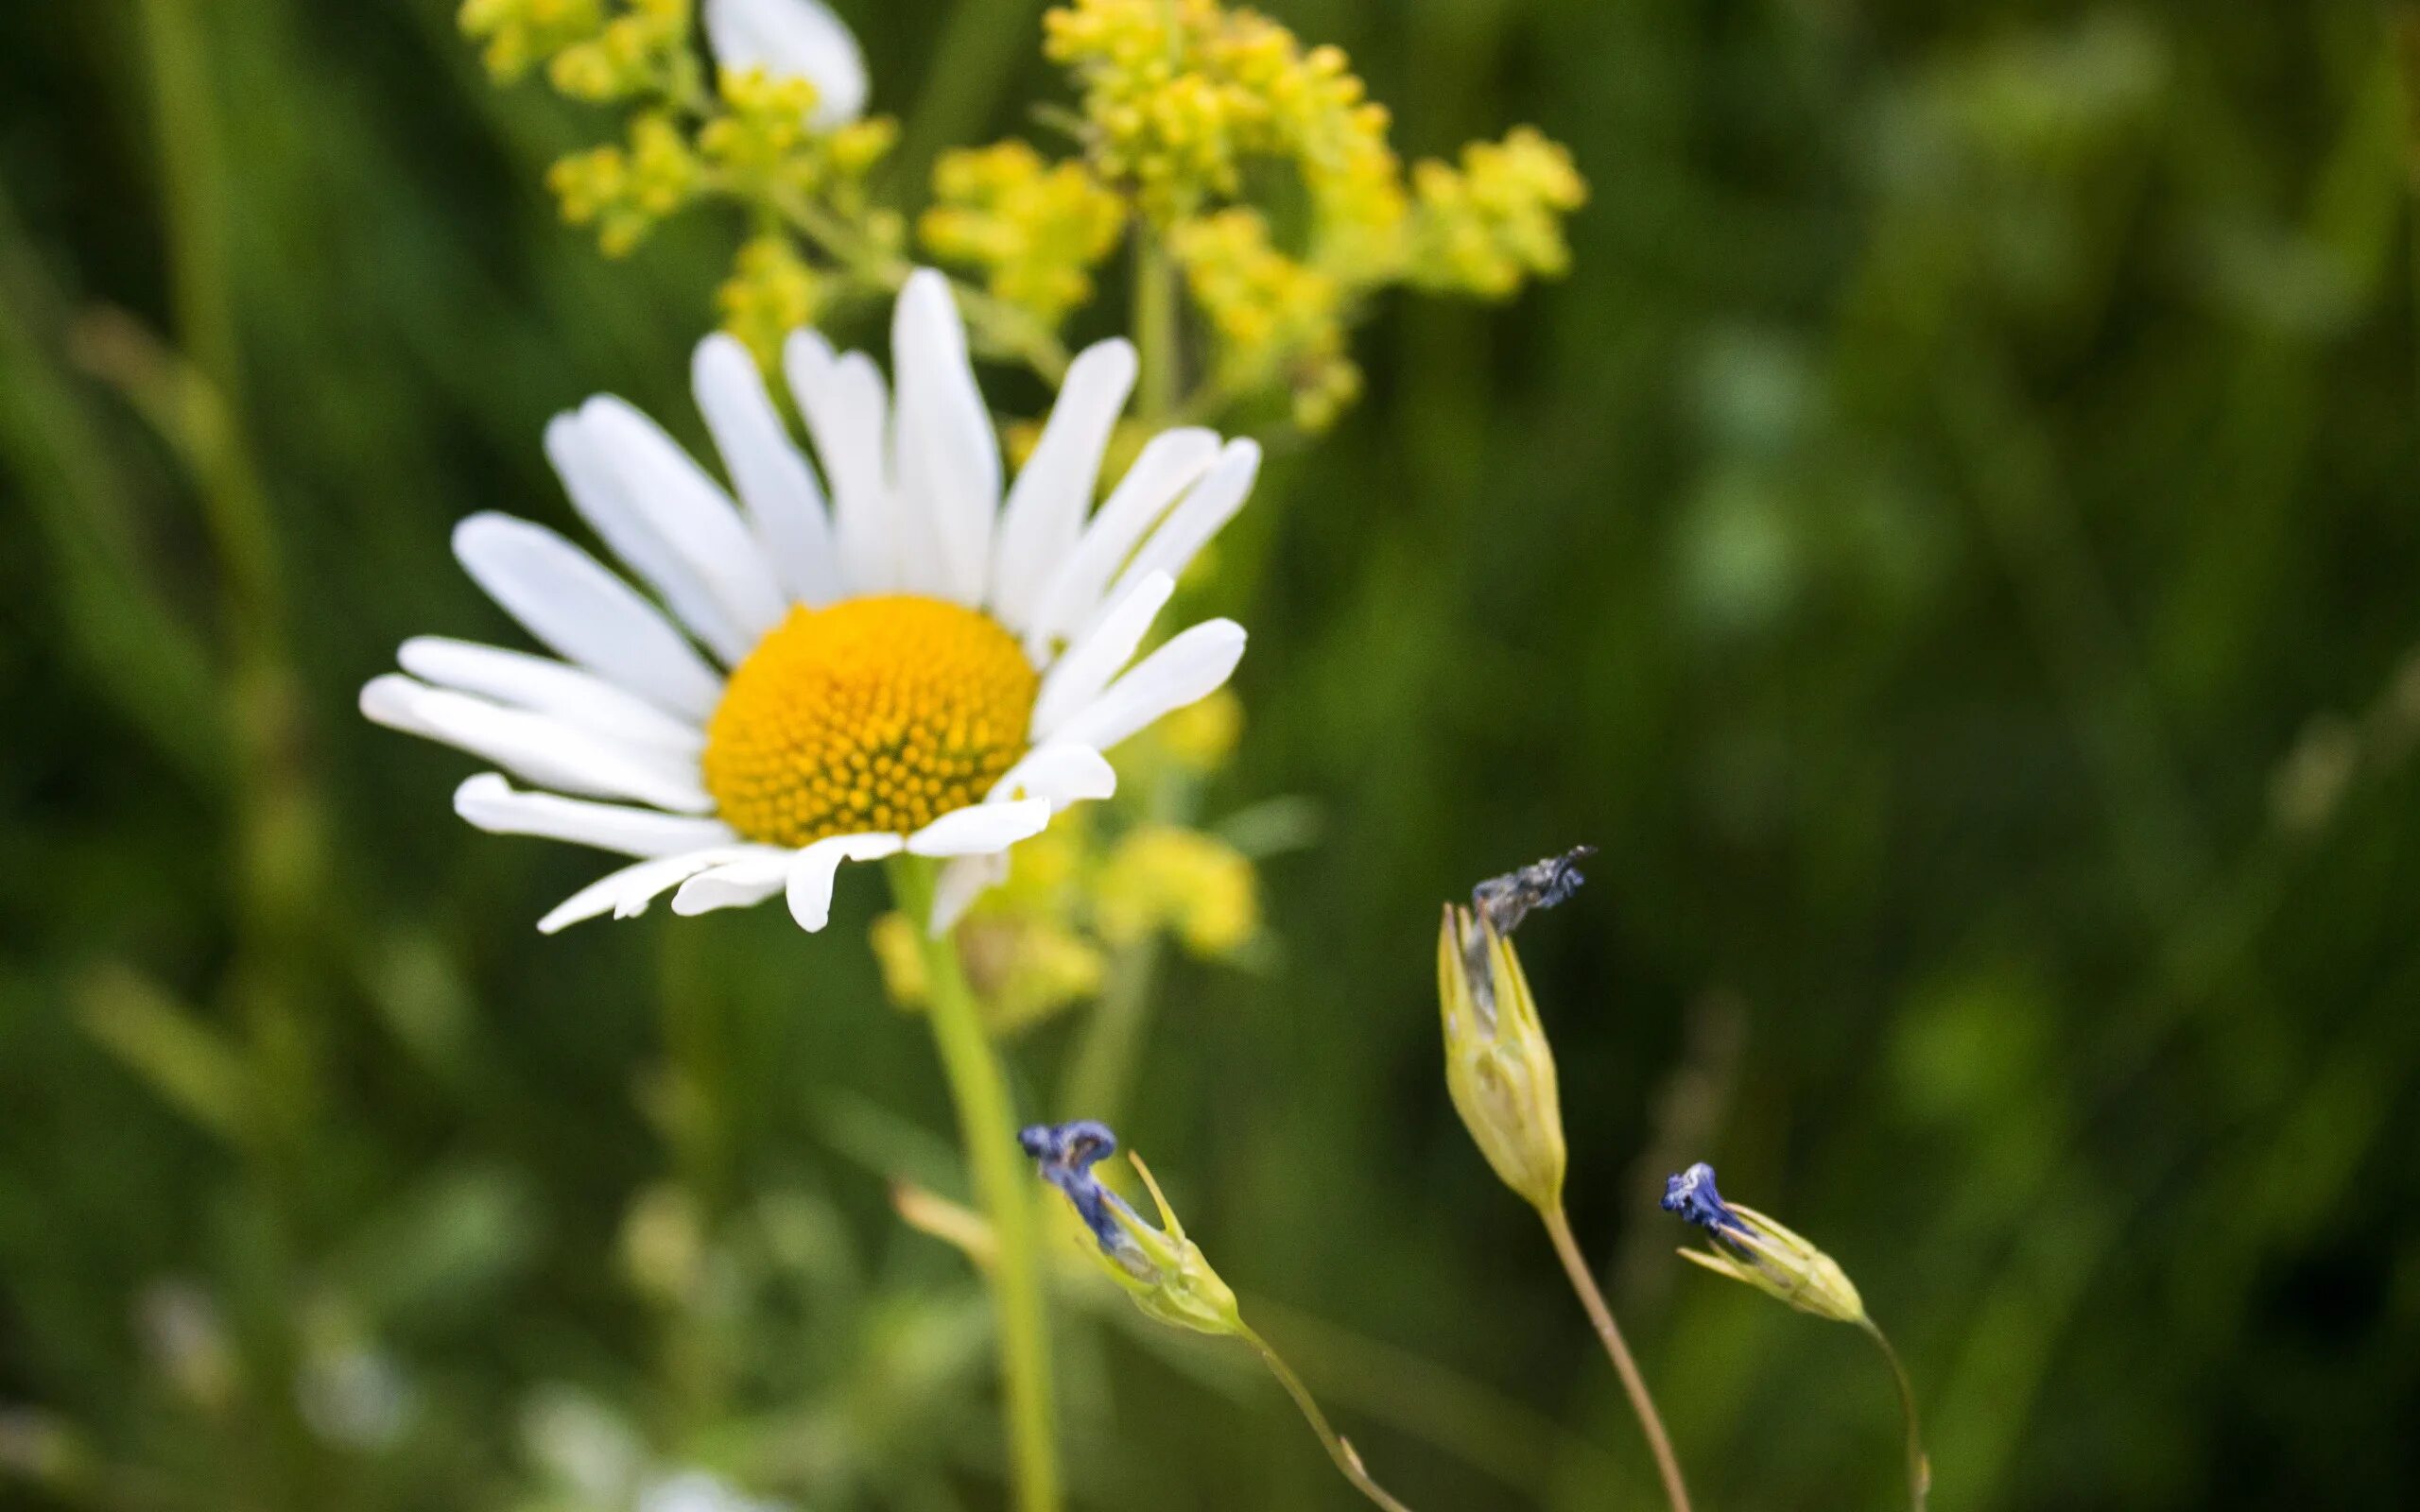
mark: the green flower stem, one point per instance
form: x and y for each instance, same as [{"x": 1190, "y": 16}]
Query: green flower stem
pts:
[
  {"x": 1919, "y": 1466},
  {"x": 987, "y": 1123},
  {"x": 1156, "y": 329},
  {"x": 1339, "y": 1449},
  {"x": 998, "y": 323},
  {"x": 1575, "y": 1266},
  {"x": 1111, "y": 1043}
]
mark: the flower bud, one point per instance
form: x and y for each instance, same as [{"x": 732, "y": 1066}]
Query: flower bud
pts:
[
  {"x": 1498, "y": 1066},
  {"x": 1159, "y": 1268},
  {"x": 1750, "y": 1248}
]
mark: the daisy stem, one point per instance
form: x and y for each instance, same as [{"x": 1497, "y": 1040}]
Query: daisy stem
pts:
[
  {"x": 1575, "y": 1265},
  {"x": 1339, "y": 1449},
  {"x": 980, "y": 1085},
  {"x": 1919, "y": 1468}
]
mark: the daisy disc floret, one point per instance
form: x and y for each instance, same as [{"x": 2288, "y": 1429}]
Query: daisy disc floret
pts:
[{"x": 877, "y": 651}]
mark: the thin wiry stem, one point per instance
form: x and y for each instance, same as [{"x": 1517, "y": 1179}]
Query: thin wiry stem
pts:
[
  {"x": 1919, "y": 1468},
  {"x": 980, "y": 1085},
  {"x": 1339, "y": 1448},
  {"x": 1575, "y": 1266}
]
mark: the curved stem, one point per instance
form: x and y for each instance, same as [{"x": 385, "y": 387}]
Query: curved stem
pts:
[
  {"x": 1919, "y": 1468},
  {"x": 995, "y": 321},
  {"x": 987, "y": 1124},
  {"x": 1575, "y": 1266},
  {"x": 1339, "y": 1449}
]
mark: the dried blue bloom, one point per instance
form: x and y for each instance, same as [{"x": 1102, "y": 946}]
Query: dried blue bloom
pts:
[
  {"x": 1163, "y": 1270},
  {"x": 1692, "y": 1196},
  {"x": 1507, "y": 900},
  {"x": 1067, "y": 1154},
  {"x": 1501, "y": 904},
  {"x": 1749, "y": 1247}
]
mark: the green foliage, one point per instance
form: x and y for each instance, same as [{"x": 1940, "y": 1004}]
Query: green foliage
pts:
[{"x": 1948, "y": 541}]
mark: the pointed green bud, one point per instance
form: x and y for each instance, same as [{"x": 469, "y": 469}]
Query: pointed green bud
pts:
[{"x": 1498, "y": 1066}]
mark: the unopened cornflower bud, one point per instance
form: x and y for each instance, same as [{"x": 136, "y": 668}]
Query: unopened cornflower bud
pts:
[
  {"x": 1159, "y": 1267},
  {"x": 1750, "y": 1248},
  {"x": 1498, "y": 1066}
]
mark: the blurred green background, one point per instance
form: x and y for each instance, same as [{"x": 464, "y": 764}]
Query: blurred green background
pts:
[{"x": 1950, "y": 544}]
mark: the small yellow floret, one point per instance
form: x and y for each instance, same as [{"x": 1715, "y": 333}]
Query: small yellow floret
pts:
[{"x": 876, "y": 715}]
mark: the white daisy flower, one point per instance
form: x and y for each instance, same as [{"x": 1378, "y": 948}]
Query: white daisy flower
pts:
[
  {"x": 920, "y": 665},
  {"x": 793, "y": 38}
]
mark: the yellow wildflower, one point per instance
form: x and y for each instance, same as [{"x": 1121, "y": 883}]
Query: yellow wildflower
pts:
[
  {"x": 625, "y": 192},
  {"x": 636, "y": 53},
  {"x": 1160, "y": 876},
  {"x": 517, "y": 35},
  {"x": 1483, "y": 229},
  {"x": 772, "y": 292},
  {"x": 1037, "y": 229}
]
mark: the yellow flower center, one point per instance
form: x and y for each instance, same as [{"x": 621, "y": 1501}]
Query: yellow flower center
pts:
[{"x": 874, "y": 714}]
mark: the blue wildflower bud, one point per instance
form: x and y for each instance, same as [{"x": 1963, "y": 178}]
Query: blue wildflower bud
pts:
[
  {"x": 1159, "y": 1268},
  {"x": 1498, "y": 1067},
  {"x": 1747, "y": 1246}
]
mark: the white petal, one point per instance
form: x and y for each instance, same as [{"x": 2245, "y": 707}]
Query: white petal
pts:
[
  {"x": 540, "y": 750},
  {"x": 848, "y": 412},
  {"x": 566, "y": 598},
  {"x": 489, "y": 802},
  {"x": 1078, "y": 677},
  {"x": 1061, "y": 775},
  {"x": 626, "y": 893},
  {"x": 785, "y": 504},
  {"x": 547, "y": 687},
  {"x": 608, "y": 501},
  {"x": 741, "y": 884},
  {"x": 960, "y": 883},
  {"x": 1169, "y": 464},
  {"x": 793, "y": 38},
  {"x": 1191, "y": 525},
  {"x": 1190, "y": 667},
  {"x": 945, "y": 460},
  {"x": 979, "y": 828},
  {"x": 1045, "y": 514},
  {"x": 812, "y": 871},
  {"x": 690, "y": 512}
]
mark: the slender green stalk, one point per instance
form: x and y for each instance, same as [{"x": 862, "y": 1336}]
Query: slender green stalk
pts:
[
  {"x": 1575, "y": 1266},
  {"x": 1919, "y": 1466},
  {"x": 1156, "y": 330},
  {"x": 987, "y": 1123},
  {"x": 995, "y": 323},
  {"x": 1111, "y": 1044},
  {"x": 1339, "y": 1448}
]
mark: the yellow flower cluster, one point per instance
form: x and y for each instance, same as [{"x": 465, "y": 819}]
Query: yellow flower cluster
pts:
[
  {"x": 1164, "y": 877},
  {"x": 772, "y": 292},
  {"x": 762, "y": 149},
  {"x": 748, "y": 140},
  {"x": 632, "y": 55},
  {"x": 517, "y": 35},
  {"x": 625, "y": 191},
  {"x": 1036, "y": 229},
  {"x": 1481, "y": 230},
  {"x": 1179, "y": 96},
  {"x": 1276, "y": 320}
]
